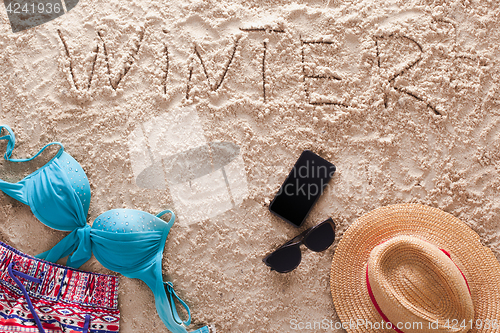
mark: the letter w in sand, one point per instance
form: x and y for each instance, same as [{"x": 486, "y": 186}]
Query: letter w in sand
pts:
[{"x": 116, "y": 71}]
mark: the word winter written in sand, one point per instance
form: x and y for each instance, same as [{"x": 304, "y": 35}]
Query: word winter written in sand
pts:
[{"x": 309, "y": 51}]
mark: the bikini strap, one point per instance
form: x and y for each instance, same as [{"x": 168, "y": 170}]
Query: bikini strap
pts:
[
  {"x": 169, "y": 287},
  {"x": 16, "y": 190},
  {"x": 11, "y": 138},
  {"x": 171, "y": 294},
  {"x": 205, "y": 329},
  {"x": 172, "y": 216}
]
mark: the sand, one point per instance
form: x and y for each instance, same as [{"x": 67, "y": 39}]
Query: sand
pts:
[{"x": 402, "y": 96}]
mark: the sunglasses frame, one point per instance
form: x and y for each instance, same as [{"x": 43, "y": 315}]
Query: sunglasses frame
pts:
[{"x": 301, "y": 239}]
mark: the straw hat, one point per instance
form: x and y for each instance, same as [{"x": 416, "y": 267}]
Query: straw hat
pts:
[{"x": 424, "y": 269}]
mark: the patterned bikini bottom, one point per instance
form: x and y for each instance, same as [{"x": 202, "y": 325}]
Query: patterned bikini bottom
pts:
[{"x": 42, "y": 297}]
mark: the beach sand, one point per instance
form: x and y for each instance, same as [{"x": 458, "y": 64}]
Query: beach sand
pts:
[{"x": 402, "y": 96}]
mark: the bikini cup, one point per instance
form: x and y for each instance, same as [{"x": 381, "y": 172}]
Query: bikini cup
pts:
[{"x": 127, "y": 241}]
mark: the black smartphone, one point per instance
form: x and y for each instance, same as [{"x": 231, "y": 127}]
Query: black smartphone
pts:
[{"x": 302, "y": 188}]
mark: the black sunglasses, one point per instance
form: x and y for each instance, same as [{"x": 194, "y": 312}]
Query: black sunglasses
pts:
[{"x": 287, "y": 257}]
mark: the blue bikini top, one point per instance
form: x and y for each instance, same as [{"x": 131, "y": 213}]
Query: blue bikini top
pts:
[{"x": 126, "y": 241}]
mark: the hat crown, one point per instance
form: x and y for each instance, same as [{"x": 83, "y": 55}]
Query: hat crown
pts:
[{"x": 417, "y": 286}]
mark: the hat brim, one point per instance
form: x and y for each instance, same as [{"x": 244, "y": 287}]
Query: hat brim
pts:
[{"x": 477, "y": 262}]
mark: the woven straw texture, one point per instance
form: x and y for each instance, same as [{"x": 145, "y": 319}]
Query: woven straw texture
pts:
[
  {"x": 415, "y": 282},
  {"x": 348, "y": 275}
]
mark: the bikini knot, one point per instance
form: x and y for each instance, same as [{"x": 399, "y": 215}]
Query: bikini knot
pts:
[
  {"x": 77, "y": 245},
  {"x": 83, "y": 250}
]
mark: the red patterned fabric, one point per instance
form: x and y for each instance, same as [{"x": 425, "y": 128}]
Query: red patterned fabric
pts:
[{"x": 61, "y": 301}]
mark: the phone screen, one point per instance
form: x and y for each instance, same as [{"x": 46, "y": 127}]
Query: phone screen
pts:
[{"x": 302, "y": 188}]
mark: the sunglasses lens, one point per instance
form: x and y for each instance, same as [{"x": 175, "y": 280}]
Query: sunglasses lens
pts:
[
  {"x": 285, "y": 259},
  {"x": 320, "y": 238}
]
